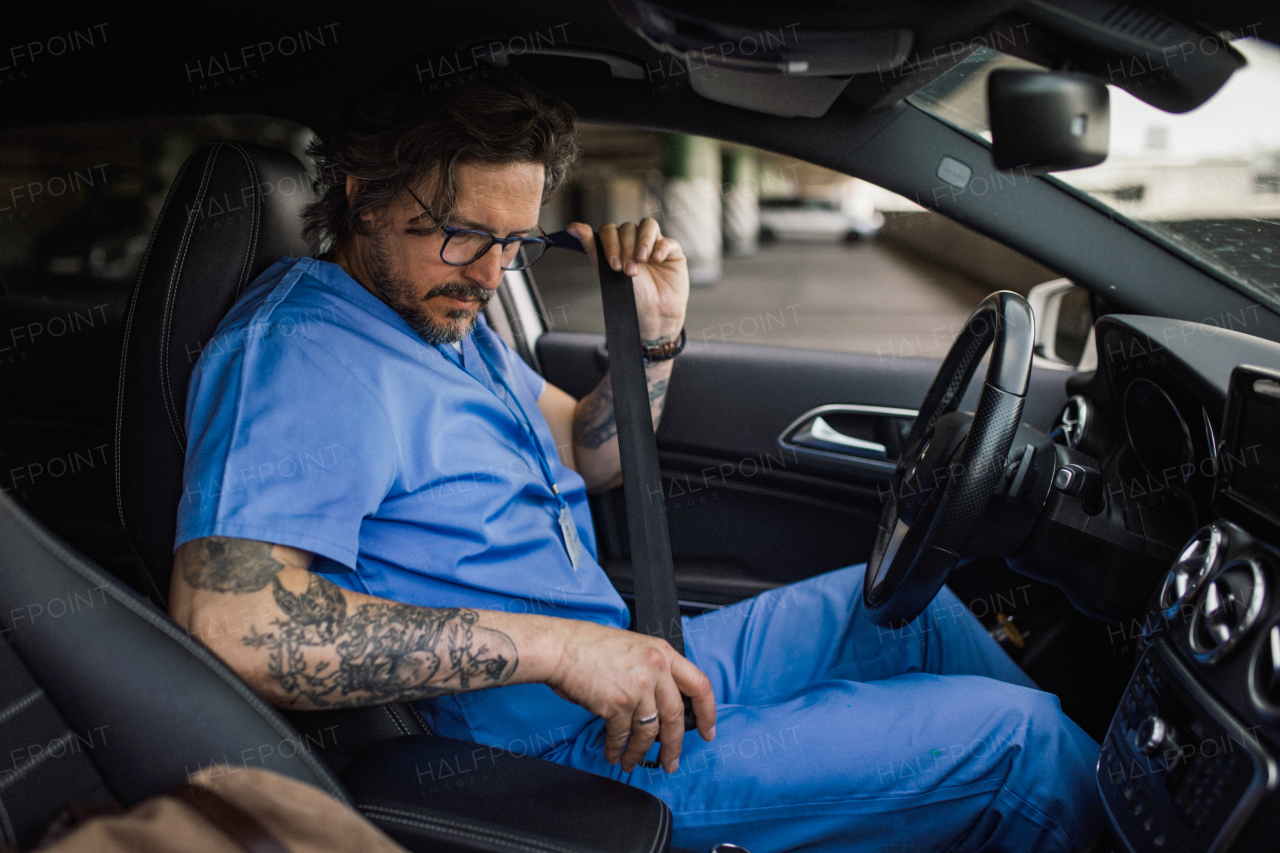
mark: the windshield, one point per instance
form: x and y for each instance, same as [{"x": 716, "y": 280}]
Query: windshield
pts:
[{"x": 1207, "y": 180}]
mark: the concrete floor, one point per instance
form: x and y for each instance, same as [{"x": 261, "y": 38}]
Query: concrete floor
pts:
[{"x": 873, "y": 297}]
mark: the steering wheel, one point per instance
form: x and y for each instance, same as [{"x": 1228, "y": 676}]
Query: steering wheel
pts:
[{"x": 940, "y": 492}]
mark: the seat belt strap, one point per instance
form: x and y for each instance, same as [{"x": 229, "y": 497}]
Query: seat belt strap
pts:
[
  {"x": 653, "y": 576},
  {"x": 657, "y": 608}
]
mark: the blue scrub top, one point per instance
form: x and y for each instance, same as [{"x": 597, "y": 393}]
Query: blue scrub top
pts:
[{"x": 317, "y": 418}]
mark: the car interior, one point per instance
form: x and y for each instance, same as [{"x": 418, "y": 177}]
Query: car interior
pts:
[{"x": 1125, "y": 541}]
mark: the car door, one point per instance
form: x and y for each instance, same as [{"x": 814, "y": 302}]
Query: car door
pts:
[{"x": 774, "y": 460}]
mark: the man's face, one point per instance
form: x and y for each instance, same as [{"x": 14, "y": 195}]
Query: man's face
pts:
[{"x": 401, "y": 258}]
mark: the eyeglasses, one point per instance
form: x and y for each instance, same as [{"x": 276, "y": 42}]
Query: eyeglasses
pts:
[{"x": 463, "y": 246}]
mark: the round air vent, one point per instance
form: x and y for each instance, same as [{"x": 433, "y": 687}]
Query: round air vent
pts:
[
  {"x": 1073, "y": 422},
  {"x": 1264, "y": 671},
  {"x": 1226, "y": 608},
  {"x": 1199, "y": 557}
]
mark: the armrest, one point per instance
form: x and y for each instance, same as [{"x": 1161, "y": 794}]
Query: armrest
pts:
[{"x": 440, "y": 794}]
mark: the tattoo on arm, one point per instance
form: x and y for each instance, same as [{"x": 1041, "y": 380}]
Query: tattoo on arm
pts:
[
  {"x": 323, "y": 653},
  {"x": 657, "y": 342},
  {"x": 386, "y": 651},
  {"x": 237, "y": 566},
  {"x": 657, "y": 391},
  {"x": 595, "y": 424},
  {"x": 657, "y": 399}
]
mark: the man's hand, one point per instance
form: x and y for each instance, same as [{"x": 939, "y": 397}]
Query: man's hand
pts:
[
  {"x": 658, "y": 270},
  {"x": 625, "y": 677},
  {"x": 660, "y": 278}
]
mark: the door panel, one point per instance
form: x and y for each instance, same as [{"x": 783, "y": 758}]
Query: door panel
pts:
[{"x": 746, "y": 512}]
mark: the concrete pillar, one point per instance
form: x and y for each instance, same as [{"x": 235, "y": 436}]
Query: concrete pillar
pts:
[
  {"x": 691, "y": 203},
  {"x": 741, "y": 194}
]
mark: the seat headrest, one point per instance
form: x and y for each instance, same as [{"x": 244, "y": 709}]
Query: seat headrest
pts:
[{"x": 234, "y": 209}]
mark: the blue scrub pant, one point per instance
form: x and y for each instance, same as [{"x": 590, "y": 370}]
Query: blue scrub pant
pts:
[{"x": 833, "y": 734}]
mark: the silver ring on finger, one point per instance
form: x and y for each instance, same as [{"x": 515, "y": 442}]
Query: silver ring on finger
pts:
[{"x": 647, "y": 720}]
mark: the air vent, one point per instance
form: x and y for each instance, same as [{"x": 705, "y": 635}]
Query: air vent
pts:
[
  {"x": 1199, "y": 557},
  {"x": 1264, "y": 674},
  {"x": 1073, "y": 422},
  {"x": 1137, "y": 23},
  {"x": 1226, "y": 608}
]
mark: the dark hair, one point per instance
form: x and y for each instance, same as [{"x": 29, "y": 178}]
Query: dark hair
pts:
[{"x": 396, "y": 136}]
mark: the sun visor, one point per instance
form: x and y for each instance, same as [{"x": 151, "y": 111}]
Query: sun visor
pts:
[
  {"x": 781, "y": 70},
  {"x": 786, "y": 96}
]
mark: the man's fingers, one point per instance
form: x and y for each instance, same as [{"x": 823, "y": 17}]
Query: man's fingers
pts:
[
  {"x": 672, "y": 734},
  {"x": 586, "y": 237},
  {"x": 643, "y": 735},
  {"x": 666, "y": 249},
  {"x": 695, "y": 684},
  {"x": 624, "y": 247},
  {"x": 627, "y": 246},
  {"x": 610, "y": 248},
  {"x": 648, "y": 234},
  {"x": 617, "y": 729}
]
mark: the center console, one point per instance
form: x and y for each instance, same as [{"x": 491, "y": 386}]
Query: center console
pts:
[{"x": 1189, "y": 762}]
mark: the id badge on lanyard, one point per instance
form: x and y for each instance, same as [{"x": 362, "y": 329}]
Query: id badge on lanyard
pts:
[
  {"x": 568, "y": 528},
  {"x": 569, "y": 533}
]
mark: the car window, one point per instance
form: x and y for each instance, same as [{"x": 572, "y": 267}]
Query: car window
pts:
[
  {"x": 782, "y": 252},
  {"x": 1206, "y": 181}
]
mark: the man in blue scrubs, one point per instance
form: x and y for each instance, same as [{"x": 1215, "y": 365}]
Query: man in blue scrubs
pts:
[{"x": 384, "y": 503}]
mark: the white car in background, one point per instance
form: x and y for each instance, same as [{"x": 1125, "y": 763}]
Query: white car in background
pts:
[{"x": 818, "y": 219}]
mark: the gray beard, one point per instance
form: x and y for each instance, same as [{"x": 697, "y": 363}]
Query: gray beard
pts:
[{"x": 398, "y": 294}]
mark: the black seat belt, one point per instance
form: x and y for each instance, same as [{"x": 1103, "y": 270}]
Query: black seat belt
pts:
[{"x": 657, "y": 607}]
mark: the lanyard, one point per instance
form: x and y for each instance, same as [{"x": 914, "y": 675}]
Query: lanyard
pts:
[{"x": 519, "y": 414}]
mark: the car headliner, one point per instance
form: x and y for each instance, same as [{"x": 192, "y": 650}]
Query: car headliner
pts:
[{"x": 142, "y": 67}]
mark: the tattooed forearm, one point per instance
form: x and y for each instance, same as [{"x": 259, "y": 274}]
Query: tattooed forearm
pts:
[
  {"x": 236, "y": 566},
  {"x": 323, "y": 654},
  {"x": 594, "y": 424}
]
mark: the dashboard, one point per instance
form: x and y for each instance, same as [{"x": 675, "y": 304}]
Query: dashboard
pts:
[{"x": 1184, "y": 422}]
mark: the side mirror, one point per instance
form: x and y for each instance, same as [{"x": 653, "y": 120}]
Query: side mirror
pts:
[
  {"x": 1047, "y": 121},
  {"x": 1064, "y": 326}
]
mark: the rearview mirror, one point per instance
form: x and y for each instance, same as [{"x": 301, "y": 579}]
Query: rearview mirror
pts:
[{"x": 1047, "y": 121}]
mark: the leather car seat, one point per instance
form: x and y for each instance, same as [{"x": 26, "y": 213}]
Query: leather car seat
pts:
[
  {"x": 234, "y": 209},
  {"x": 103, "y": 696}
]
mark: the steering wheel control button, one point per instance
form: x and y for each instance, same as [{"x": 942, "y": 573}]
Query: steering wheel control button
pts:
[
  {"x": 1016, "y": 473},
  {"x": 1077, "y": 475}
]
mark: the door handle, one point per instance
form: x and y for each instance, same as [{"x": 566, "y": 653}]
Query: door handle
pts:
[
  {"x": 820, "y": 435},
  {"x": 824, "y": 429}
]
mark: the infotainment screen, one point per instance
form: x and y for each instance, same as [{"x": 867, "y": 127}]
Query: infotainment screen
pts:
[{"x": 1248, "y": 487}]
